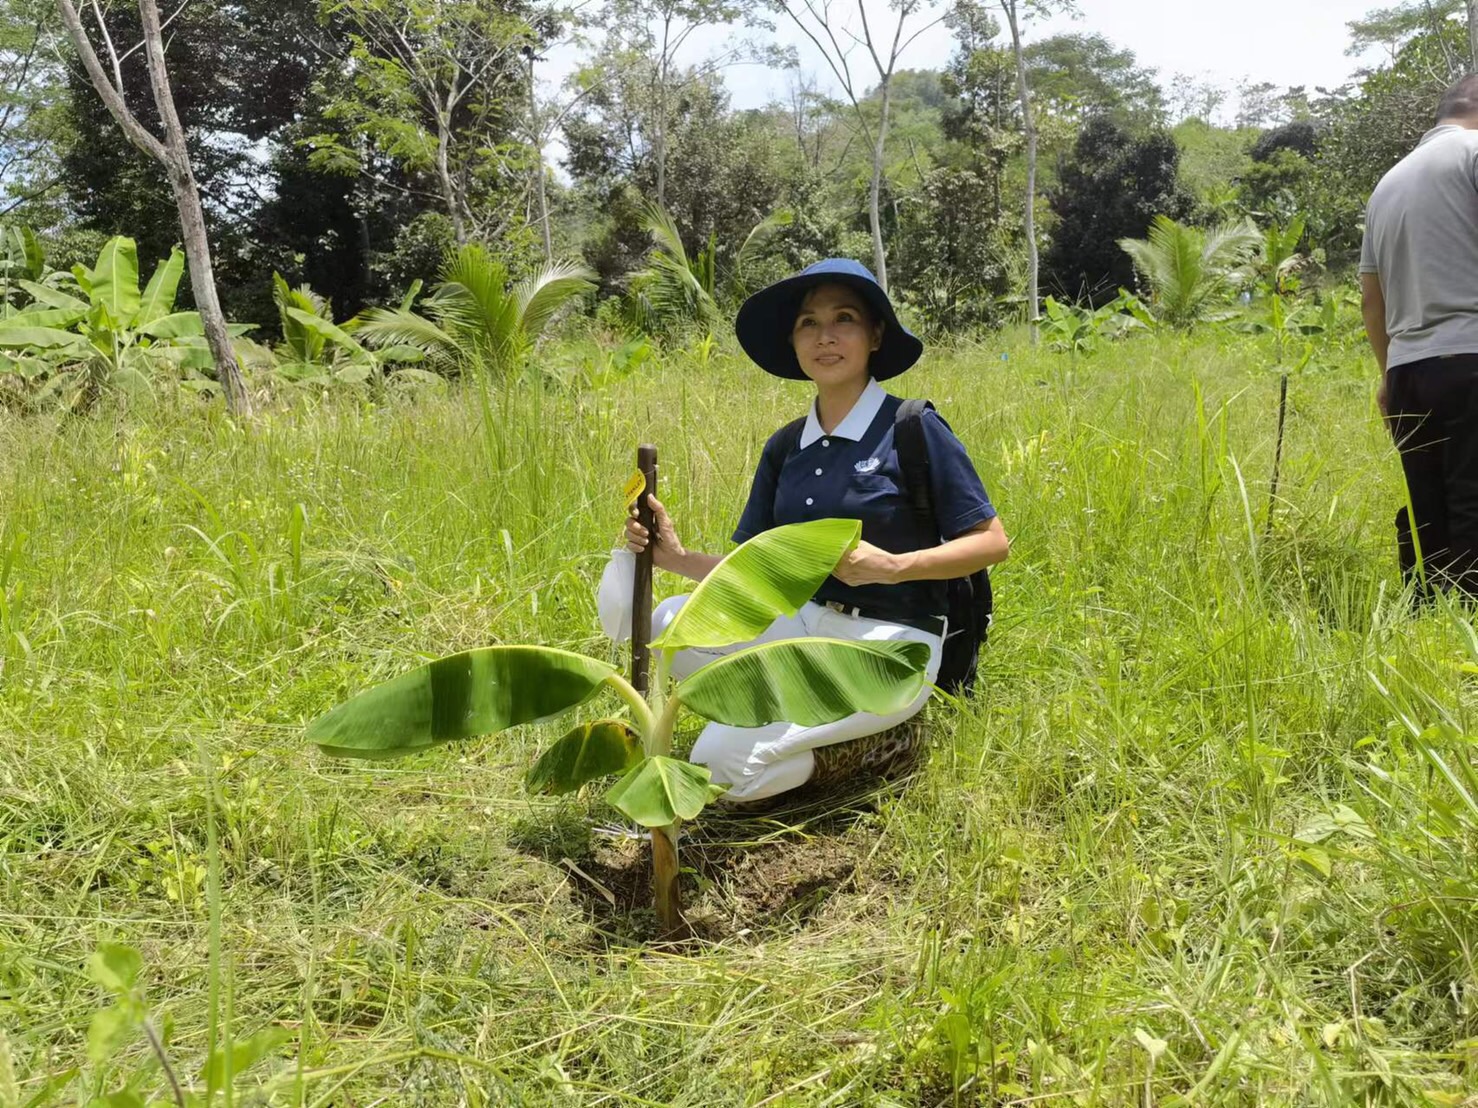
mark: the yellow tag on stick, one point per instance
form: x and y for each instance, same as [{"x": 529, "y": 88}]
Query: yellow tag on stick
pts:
[{"x": 634, "y": 485}]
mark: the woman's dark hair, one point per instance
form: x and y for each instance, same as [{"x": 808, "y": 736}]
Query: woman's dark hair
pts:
[
  {"x": 1460, "y": 101},
  {"x": 800, "y": 302}
]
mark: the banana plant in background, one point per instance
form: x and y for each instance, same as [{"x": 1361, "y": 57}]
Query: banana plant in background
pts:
[
  {"x": 317, "y": 351},
  {"x": 1074, "y": 330},
  {"x": 21, "y": 259},
  {"x": 804, "y": 681},
  {"x": 104, "y": 331}
]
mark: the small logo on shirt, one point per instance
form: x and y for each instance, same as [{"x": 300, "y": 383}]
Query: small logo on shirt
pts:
[{"x": 867, "y": 466}]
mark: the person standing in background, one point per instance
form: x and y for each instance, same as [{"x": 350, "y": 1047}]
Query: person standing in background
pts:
[{"x": 1419, "y": 296}]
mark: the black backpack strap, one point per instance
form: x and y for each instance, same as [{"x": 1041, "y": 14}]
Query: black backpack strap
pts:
[
  {"x": 787, "y": 439},
  {"x": 913, "y": 461}
]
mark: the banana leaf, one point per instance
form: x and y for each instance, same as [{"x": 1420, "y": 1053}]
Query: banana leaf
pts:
[
  {"x": 589, "y": 752},
  {"x": 115, "y": 279},
  {"x": 43, "y": 338},
  {"x": 176, "y": 325},
  {"x": 477, "y": 692},
  {"x": 659, "y": 791},
  {"x": 45, "y": 317},
  {"x": 772, "y": 574},
  {"x": 31, "y": 258},
  {"x": 56, "y": 298},
  {"x": 807, "y": 681},
  {"x": 158, "y": 299},
  {"x": 323, "y": 328}
]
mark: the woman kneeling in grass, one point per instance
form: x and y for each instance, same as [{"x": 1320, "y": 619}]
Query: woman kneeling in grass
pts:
[{"x": 832, "y": 324}]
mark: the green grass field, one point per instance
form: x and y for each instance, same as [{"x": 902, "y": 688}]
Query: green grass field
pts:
[{"x": 1205, "y": 836}]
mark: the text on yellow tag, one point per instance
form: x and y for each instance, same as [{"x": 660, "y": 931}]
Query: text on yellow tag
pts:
[{"x": 634, "y": 485}]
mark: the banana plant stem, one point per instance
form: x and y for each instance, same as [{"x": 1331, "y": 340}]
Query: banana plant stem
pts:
[
  {"x": 640, "y": 712},
  {"x": 658, "y": 691},
  {"x": 662, "y": 734},
  {"x": 666, "y": 894}
]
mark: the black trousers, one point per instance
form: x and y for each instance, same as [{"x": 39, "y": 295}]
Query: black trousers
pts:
[{"x": 1433, "y": 406}]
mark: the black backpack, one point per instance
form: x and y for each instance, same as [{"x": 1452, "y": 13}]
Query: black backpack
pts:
[{"x": 968, "y": 601}]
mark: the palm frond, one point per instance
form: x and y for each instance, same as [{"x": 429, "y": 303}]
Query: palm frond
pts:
[
  {"x": 475, "y": 304},
  {"x": 383, "y": 328},
  {"x": 674, "y": 285},
  {"x": 760, "y": 236},
  {"x": 1187, "y": 269},
  {"x": 548, "y": 290},
  {"x": 664, "y": 231}
]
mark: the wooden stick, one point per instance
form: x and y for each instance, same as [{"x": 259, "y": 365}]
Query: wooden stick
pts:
[
  {"x": 1277, "y": 456},
  {"x": 666, "y": 896},
  {"x": 641, "y": 605}
]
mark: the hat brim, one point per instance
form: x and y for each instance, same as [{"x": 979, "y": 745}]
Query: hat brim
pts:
[{"x": 765, "y": 320}]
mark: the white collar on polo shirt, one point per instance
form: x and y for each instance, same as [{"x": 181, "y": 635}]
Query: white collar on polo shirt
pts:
[{"x": 857, "y": 421}]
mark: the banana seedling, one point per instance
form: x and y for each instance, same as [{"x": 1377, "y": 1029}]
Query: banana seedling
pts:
[{"x": 806, "y": 681}]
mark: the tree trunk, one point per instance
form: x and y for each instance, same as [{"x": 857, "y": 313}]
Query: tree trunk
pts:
[
  {"x": 544, "y": 213},
  {"x": 192, "y": 218},
  {"x": 661, "y": 136},
  {"x": 879, "y": 257},
  {"x": 1473, "y": 34},
  {"x": 203, "y": 284},
  {"x": 661, "y": 154},
  {"x": 541, "y": 194},
  {"x": 1029, "y": 125},
  {"x": 444, "y": 175}
]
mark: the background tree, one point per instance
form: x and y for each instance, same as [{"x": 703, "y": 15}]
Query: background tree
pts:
[
  {"x": 959, "y": 265},
  {"x": 1472, "y": 13},
  {"x": 1014, "y": 12},
  {"x": 1275, "y": 183},
  {"x": 240, "y": 73},
  {"x": 172, "y": 153},
  {"x": 358, "y": 237},
  {"x": 1113, "y": 187},
  {"x": 436, "y": 87},
  {"x": 658, "y": 30},
  {"x": 825, "y": 27},
  {"x": 1259, "y": 104},
  {"x": 726, "y": 169},
  {"x": 546, "y": 116},
  {"x": 1369, "y": 127},
  {"x": 32, "y": 109},
  {"x": 1080, "y": 76},
  {"x": 1191, "y": 97}
]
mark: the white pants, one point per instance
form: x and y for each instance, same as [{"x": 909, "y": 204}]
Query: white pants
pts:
[{"x": 756, "y": 762}]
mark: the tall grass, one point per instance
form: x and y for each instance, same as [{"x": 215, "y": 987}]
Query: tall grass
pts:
[{"x": 1204, "y": 836}]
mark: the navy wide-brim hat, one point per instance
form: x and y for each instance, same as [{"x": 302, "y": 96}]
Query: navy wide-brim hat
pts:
[{"x": 765, "y": 320}]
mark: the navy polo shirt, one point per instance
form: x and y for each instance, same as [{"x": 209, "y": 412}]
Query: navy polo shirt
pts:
[{"x": 853, "y": 473}]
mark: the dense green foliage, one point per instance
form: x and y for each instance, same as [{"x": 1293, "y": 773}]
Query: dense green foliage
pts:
[
  {"x": 348, "y": 145},
  {"x": 1115, "y": 185}
]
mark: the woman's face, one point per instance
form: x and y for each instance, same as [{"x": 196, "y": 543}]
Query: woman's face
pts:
[{"x": 834, "y": 335}]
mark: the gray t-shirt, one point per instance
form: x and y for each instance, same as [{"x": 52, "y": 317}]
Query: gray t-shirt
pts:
[{"x": 1421, "y": 238}]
